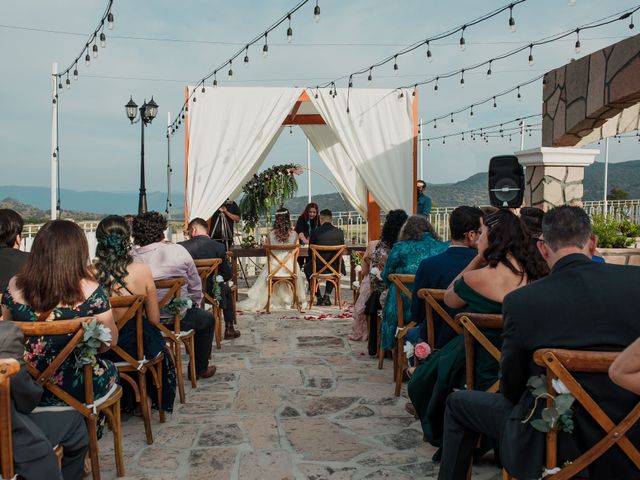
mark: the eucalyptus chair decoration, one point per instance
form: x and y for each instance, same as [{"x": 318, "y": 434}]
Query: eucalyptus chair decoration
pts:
[{"x": 268, "y": 190}]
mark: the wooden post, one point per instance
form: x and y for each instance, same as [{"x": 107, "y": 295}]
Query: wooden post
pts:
[
  {"x": 186, "y": 158},
  {"x": 373, "y": 218},
  {"x": 415, "y": 150}
]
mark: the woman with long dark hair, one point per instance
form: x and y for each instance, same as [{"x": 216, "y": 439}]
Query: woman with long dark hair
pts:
[
  {"x": 504, "y": 263},
  {"x": 120, "y": 275},
  {"x": 374, "y": 256},
  {"x": 282, "y": 296},
  {"x": 307, "y": 222},
  {"x": 56, "y": 283}
]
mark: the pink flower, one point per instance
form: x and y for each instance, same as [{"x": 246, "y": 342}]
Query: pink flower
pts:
[{"x": 422, "y": 350}]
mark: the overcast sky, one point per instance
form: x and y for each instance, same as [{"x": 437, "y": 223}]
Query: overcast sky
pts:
[{"x": 184, "y": 40}]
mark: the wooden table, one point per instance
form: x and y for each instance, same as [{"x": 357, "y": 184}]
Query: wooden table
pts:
[{"x": 236, "y": 252}]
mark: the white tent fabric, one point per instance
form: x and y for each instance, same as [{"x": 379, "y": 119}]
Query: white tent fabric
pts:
[
  {"x": 377, "y": 135},
  {"x": 231, "y": 131},
  {"x": 333, "y": 154}
]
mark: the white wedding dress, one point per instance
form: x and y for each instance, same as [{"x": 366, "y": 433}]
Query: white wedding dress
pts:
[{"x": 282, "y": 297}]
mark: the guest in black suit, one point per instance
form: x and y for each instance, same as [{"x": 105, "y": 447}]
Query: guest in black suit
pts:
[
  {"x": 35, "y": 434},
  {"x": 11, "y": 258},
  {"x": 581, "y": 305},
  {"x": 326, "y": 234},
  {"x": 200, "y": 246},
  {"x": 439, "y": 271}
]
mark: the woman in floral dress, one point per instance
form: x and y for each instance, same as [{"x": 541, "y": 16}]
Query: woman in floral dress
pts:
[
  {"x": 375, "y": 256},
  {"x": 56, "y": 284}
]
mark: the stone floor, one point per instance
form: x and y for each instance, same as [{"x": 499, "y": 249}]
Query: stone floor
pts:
[{"x": 293, "y": 398}]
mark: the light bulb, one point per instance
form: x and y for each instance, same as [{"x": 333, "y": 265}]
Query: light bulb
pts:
[
  {"x": 75, "y": 73},
  {"x": 110, "y": 21},
  {"x": 289, "y": 34},
  {"x": 463, "y": 43},
  {"x": 68, "y": 82},
  {"x": 245, "y": 61},
  {"x": 203, "y": 90},
  {"x": 489, "y": 71},
  {"x": 512, "y": 24},
  {"x": 60, "y": 87},
  {"x": 577, "y": 46},
  {"x": 316, "y": 13},
  {"x": 103, "y": 40},
  {"x": 95, "y": 51},
  {"x": 395, "y": 66},
  {"x": 87, "y": 60},
  {"x": 429, "y": 53},
  {"x": 462, "y": 80},
  {"x": 530, "y": 60},
  {"x": 370, "y": 77},
  {"x": 215, "y": 82},
  {"x": 230, "y": 73},
  {"x": 265, "y": 51}
]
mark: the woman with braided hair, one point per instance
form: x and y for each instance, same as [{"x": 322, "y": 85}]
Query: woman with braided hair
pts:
[{"x": 120, "y": 275}]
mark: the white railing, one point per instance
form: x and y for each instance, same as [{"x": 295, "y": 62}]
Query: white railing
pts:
[{"x": 618, "y": 209}]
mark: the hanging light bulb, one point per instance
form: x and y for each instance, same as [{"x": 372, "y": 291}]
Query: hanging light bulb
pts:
[
  {"x": 512, "y": 21},
  {"x": 519, "y": 97},
  {"x": 215, "y": 82},
  {"x": 531, "y": 55},
  {"x": 68, "y": 82},
  {"x": 489, "y": 70},
  {"x": 60, "y": 87},
  {"x": 577, "y": 45},
  {"x": 395, "y": 64},
  {"x": 203, "y": 90},
  {"x": 230, "y": 72},
  {"x": 75, "y": 72},
  {"x": 631, "y": 25},
  {"x": 103, "y": 40},
  {"x": 495, "y": 105},
  {"x": 110, "y": 21},
  {"x": 370, "y": 77},
  {"x": 289, "y": 30},
  {"x": 463, "y": 44},
  {"x": 194, "y": 99},
  {"x": 265, "y": 48},
  {"x": 462, "y": 78},
  {"x": 87, "y": 59},
  {"x": 452, "y": 118},
  {"x": 350, "y": 81},
  {"x": 429, "y": 53},
  {"x": 435, "y": 123},
  {"x": 471, "y": 112},
  {"x": 443, "y": 140},
  {"x": 415, "y": 90},
  {"x": 316, "y": 13},
  {"x": 435, "y": 87},
  {"x": 95, "y": 51},
  {"x": 246, "y": 56}
]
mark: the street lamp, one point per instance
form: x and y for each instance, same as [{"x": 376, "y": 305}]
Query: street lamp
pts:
[{"x": 148, "y": 112}]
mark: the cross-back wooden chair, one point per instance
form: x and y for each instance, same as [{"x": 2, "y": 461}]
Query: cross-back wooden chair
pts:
[
  {"x": 176, "y": 337},
  {"x": 208, "y": 268},
  {"x": 433, "y": 299},
  {"x": 282, "y": 270},
  {"x": 138, "y": 364},
  {"x": 8, "y": 368},
  {"x": 109, "y": 404},
  {"x": 399, "y": 358},
  {"x": 561, "y": 364},
  {"x": 322, "y": 269},
  {"x": 472, "y": 326}
]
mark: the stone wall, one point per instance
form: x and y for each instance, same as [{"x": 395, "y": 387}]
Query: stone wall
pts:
[
  {"x": 548, "y": 187},
  {"x": 589, "y": 92}
]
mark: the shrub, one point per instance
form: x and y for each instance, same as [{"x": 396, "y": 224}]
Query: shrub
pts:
[{"x": 613, "y": 233}]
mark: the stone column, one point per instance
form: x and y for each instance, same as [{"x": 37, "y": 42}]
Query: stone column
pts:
[{"x": 554, "y": 175}]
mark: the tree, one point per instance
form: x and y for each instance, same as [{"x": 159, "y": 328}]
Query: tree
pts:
[{"x": 618, "y": 194}]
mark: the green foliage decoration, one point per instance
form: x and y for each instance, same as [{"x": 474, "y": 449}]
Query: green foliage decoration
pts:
[
  {"x": 614, "y": 233},
  {"x": 559, "y": 417}
]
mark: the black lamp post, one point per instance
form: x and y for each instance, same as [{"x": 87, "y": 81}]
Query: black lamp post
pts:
[{"x": 148, "y": 112}]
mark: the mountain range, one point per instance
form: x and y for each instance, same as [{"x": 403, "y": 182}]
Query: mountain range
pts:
[{"x": 34, "y": 201}]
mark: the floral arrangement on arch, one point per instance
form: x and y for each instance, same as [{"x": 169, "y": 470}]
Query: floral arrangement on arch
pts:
[{"x": 268, "y": 190}]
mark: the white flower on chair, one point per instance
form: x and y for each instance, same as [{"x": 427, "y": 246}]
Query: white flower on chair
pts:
[
  {"x": 356, "y": 284},
  {"x": 559, "y": 387},
  {"x": 358, "y": 268},
  {"x": 219, "y": 279},
  {"x": 408, "y": 349}
]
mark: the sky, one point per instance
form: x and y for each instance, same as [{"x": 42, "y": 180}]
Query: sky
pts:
[{"x": 158, "y": 47}]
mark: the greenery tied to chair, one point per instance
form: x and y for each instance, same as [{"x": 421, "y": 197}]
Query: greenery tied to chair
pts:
[
  {"x": 559, "y": 417},
  {"x": 95, "y": 334},
  {"x": 176, "y": 305}
]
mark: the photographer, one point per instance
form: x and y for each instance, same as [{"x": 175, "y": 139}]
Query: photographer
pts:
[{"x": 222, "y": 222}]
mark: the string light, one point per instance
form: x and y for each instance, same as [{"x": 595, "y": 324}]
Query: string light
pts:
[
  {"x": 103, "y": 40},
  {"x": 95, "y": 51},
  {"x": 485, "y": 132},
  {"x": 519, "y": 97},
  {"x": 265, "y": 48},
  {"x": 215, "y": 82},
  {"x": 462, "y": 41},
  {"x": 370, "y": 77},
  {"x": 350, "y": 81},
  {"x": 87, "y": 60},
  {"x": 495, "y": 105},
  {"x": 462, "y": 78},
  {"x": 316, "y": 13},
  {"x": 429, "y": 57},
  {"x": 289, "y": 30},
  {"x": 246, "y": 57},
  {"x": 230, "y": 73},
  {"x": 452, "y": 118},
  {"x": 110, "y": 21},
  {"x": 75, "y": 72},
  {"x": 631, "y": 25},
  {"x": 471, "y": 111},
  {"x": 531, "y": 55},
  {"x": 435, "y": 87},
  {"x": 395, "y": 65},
  {"x": 512, "y": 21},
  {"x": 68, "y": 82},
  {"x": 203, "y": 90},
  {"x": 577, "y": 45},
  {"x": 489, "y": 70}
]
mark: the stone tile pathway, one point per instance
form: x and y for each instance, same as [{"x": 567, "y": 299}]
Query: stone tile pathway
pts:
[{"x": 292, "y": 399}]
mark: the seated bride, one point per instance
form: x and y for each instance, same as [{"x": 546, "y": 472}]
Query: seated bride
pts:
[{"x": 282, "y": 296}]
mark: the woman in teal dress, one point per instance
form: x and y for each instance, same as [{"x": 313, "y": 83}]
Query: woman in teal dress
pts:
[
  {"x": 417, "y": 241},
  {"x": 504, "y": 263},
  {"x": 56, "y": 284}
]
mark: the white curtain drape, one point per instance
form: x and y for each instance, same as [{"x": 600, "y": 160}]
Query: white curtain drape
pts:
[
  {"x": 333, "y": 154},
  {"x": 231, "y": 131},
  {"x": 377, "y": 136}
]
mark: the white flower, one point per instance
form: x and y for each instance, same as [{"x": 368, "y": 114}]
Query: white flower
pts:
[
  {"x": 408, "y": 349},
  {"x": 219, "y": 279},
  {"x": 358, "y": 268},
  {"x": 104, "y": 334},
  {"x": 550, "y": 471},
  {"x": 356, "y": 284},
  {"x": 230, "y": 283},
  {"x": 559, "y": 387},
  {"x": 374, "y": 271}
]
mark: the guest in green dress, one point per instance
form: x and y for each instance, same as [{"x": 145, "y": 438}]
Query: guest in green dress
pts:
[
  {"x": 504, "y": 263},
  {"x": 417, "y": 240}
]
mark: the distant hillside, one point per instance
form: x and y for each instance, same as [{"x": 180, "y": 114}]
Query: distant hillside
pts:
[
  {"x": 471, "y": 191},
  {"x": 32, "y": 214}
]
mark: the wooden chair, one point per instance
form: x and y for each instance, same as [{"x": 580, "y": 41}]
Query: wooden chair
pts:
[
  {"x": 176, "y": 337},
  {"x": 433, "y": 300},
  {"x": 8, "y": 368},
  {"x": 472, "y": 323},
  {"x": 139, "y": 365},
  {"x": 208, "y": 268},
  {"x": 282, "y": 270},
  {"x": 399, "y": 358},
  {"x": 90, "y": 408},
  {"x": 323, "y": 269},
  {"x": 561, "y": 364}
]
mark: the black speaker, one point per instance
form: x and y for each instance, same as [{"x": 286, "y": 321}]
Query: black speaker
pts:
[{"x": 506, "y": 182}]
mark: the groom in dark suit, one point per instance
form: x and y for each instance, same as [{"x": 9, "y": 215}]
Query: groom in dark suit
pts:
[
  {"x": 581, "y": 305},
  {"x": 326, "y": 234}
]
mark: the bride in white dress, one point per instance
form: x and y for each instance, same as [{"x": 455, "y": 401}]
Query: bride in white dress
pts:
[{"x": 282, "y": 297}]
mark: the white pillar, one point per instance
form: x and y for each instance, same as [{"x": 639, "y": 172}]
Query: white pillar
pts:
[
  {"x": 606, "y": 174},
  {"x": 54, "y": 141},
  {"x": 309, "y": 170}
]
